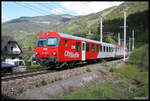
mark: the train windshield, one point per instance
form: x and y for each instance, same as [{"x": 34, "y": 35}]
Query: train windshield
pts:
[{"x": 48, "y": 42}]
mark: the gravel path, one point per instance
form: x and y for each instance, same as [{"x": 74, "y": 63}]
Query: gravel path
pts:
[{"x": 70, "y": 83}]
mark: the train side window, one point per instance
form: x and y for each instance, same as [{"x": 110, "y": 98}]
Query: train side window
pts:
[
  {"x": 66, "y": 43},
  {"x": 97, "y": 48},
  {"x": 104, "y": 48},
  {"x": 87, "y": 47},
  {"x": 93, "y": 47},
  {"x": 77, "y": 46},
  {"x": 101, "y": 48}
]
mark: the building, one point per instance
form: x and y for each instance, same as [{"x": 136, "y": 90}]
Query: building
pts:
[{"x": 11, "y": 52}]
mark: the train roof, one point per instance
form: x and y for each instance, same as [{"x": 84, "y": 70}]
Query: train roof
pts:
[
  {"x": 80, "y": 38},
  {"x": 58, "y": 34}
]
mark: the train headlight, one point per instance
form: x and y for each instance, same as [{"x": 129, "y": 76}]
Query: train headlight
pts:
[
  {"x": 36, "y": 53},
  {"x": 54, "y": 53},
  {"x": 47, "y": 33}
]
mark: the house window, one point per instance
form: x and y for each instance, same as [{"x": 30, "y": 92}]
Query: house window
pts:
[
  {"x": 11, "y": 48},
  {"x": 77, "y": 46},
  {"x": 66, "y": 43},
  {"x": 13, "y": 57},
  {"x": 5, "y": 49},
  {"x": 93, "y": 48},
  {"x": 87, "y": 47}
]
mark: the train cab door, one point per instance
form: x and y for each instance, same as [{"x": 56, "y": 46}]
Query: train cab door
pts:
[{"x": 83, "y": 50}]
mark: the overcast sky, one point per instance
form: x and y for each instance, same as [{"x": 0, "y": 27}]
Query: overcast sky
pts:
[{"x": 12, "y": 10}]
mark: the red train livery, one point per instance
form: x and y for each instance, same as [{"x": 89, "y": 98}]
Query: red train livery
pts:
[{"x": 55, "y": 49}]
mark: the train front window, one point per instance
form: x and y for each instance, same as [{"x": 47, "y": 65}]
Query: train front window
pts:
[
  {"x": 52, "y": 41},
  {"x": 41, "y": 42},
  {"x": 47, "y": 42}
]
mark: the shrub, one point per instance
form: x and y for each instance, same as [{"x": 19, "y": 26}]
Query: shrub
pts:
[
  {"x": 140, "y": 57},
  {"x": 34, "y": 67},
  {"x": 20, "y": 90},
  {"x": 60, "y": 78},
  {"x": 112, "y": 70},
  {"x": 88, "y": 70},
  {"x": 43, "y": 83},
  {"x": 37, "y": 85}
]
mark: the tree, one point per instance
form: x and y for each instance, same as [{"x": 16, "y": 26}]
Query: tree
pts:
[{"x": 109, "y": 39}]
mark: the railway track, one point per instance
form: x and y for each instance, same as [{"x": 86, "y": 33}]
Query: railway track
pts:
[
  {"x": 21, "y": 75},
  {"x": 26, "y": 74}
]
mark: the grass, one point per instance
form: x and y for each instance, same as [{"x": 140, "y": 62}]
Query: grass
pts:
[
  {"x": 42, "y": 83},
  {"x": 98, "y": 91},
  {"x": 88, "y": 70},
  {"x": 34, "y": 67},
  {"x": 20, "y": 90},
  {"x": 132, "y": 77}
]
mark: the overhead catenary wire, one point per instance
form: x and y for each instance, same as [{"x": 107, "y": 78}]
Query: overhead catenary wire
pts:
[
  {"x": 45, "y": 6},
  {"x": 38, "y": 8},
  {"x": 32, "y": 9}
]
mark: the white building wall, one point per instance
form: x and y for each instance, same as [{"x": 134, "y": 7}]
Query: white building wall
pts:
[{"x": 15, "y": 47}]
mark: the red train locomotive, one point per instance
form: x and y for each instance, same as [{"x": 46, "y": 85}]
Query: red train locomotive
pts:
[{"x": 55, "y": 49}]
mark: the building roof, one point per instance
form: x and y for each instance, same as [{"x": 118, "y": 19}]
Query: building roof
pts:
[
  {"x": 8, "y": 39},
  {"x": 5, "y": 39}
]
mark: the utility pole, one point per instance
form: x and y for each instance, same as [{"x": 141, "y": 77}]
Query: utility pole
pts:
[
  {"x": 124, "y": 33},
  {"x": 118, "y": 38},
  {"x": 132, "y": 40},
  {"x": 129, "y": 44},
  {"x": 89, "y": 33},
  {"x": 101, "y": 26}
]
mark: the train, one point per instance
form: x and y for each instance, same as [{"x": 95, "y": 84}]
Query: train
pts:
[{"x": 56, "y": 50}]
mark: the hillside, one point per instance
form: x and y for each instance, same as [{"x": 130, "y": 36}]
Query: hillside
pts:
[
  {"x": 137, "y": 19},
  {"x": 24, "y": 27},
  {"x": 112, "y": 16}
]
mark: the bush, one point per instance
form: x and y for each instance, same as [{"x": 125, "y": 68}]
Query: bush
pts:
[
  {"x": 26, "y": 58},
  {"x": 88, "y": 70},
  {"x": 43, "y": 83},
  {"x": 20, "y": 90},
  {"x": 34, "y": 67},
  {"x": 140, "y": 57},
  {"x": 112, "y": 70}
]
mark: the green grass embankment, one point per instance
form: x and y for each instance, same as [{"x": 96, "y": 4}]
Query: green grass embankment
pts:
[{"x": 130, "y": 81}]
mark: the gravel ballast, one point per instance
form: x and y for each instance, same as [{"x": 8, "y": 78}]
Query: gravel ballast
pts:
[{"x": 71, "y": 79}]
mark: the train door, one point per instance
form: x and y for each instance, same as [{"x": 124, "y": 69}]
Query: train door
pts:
[{"x": 83, "y": 50}]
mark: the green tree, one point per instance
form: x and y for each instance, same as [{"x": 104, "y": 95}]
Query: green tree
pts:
[{"x": 109, "y": 39}]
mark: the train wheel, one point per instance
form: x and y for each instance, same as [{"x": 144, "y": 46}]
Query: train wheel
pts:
[{"x": 71, "y": 65}]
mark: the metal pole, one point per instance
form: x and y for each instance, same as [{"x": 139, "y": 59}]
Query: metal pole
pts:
[
  {"x": 124, "y": 33},
  {"x": 132, "y": 40},
  {"x": 129, "y": 44},
  {"x": 118, "y": 38},
  {"x": 101, "y": 29}
]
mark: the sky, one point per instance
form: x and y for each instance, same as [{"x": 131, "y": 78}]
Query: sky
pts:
[{"x": 12, "y": 10}]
